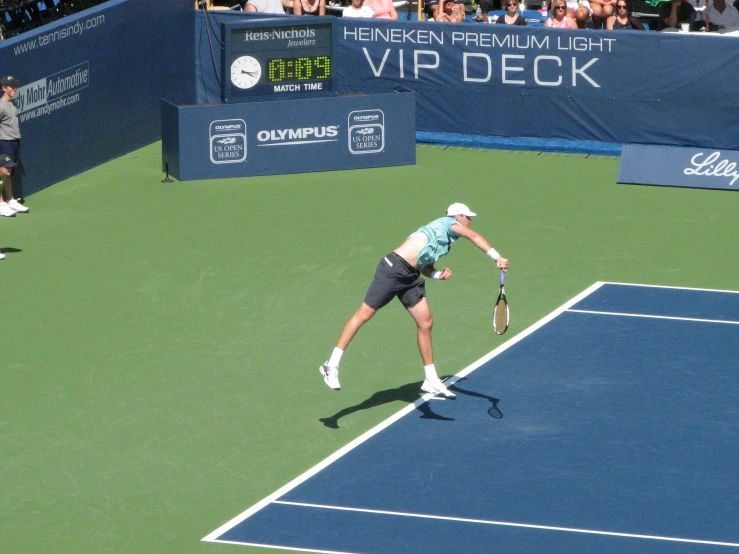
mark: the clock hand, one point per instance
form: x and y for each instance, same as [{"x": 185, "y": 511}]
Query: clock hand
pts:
[{"x": 252, "y": 73}]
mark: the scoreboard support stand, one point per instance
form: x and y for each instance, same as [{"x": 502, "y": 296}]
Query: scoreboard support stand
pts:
[{"x": 212, "y": 141}]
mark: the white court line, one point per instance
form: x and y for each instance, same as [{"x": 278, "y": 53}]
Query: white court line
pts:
[
  {"x": 654, "y": 316},
  {"x": 282, "y": 547},
  {"x": 669, "y": 287},
  {"x": 508, "y": 524},
  {"x": 211, "y": 537}
]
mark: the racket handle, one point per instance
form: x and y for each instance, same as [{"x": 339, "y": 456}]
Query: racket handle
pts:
[{"x": 502, "y": 277}]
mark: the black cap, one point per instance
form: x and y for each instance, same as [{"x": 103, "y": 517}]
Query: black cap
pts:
[
  {"x": 6, "y": 161},
  {"x": 9, "y": 81}
]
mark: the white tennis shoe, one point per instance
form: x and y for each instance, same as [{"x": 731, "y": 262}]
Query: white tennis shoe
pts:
[
  {"x": 330, "y": 376},
  {"x": 17, "y": 206},
  {"x": 437, "y": 388},
  {"x": 6, "y": 210}
]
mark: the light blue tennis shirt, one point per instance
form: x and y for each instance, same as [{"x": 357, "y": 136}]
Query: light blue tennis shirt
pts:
[{"x": 440, "y": 239}]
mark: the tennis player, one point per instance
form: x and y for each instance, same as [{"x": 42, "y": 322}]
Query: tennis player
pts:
[{"x": 399, "y": 275}]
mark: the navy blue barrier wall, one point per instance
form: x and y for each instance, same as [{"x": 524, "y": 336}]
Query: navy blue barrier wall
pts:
[
  {"x": 495, "y": 80},
  {"x": 296, "y": 135},
  {"x": 92, "y": 83}
]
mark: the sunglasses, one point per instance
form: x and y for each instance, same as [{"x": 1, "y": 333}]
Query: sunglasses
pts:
[
  {"x": 559, "y": 7},
  {"x": 509, "y": 5}
]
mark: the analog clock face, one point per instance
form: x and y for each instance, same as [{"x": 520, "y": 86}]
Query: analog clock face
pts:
[{"x": 245, "y": 72}]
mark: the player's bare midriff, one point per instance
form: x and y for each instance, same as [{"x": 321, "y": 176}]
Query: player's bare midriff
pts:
[{"x": 411, "y": 248}]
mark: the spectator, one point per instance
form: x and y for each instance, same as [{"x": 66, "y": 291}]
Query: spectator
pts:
[
  {"x": 358, "y": 10},
  {"x": 493, "y": 5},
  {"x": 448, "y": 11},
  {"x": 264, "y": 6},
  {"x": 309, "y": 7},
  {"x": 672, "y": 13},
  {"x": 561, "y": 17},
  {"x": 722, "y": 14},
  {"x": 383, "y": 9},
  {"x": 602, "y": 10},
  {"x": 581, "y": 11},
  {"x": 623, "y": 19},
  {"x": 512, "y": 17},
  {"x": 10, "y": 146}
]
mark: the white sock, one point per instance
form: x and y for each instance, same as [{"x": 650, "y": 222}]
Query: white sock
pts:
[
  {"x": 430, "y": 372},
  {"x": 335, "y": 358}
]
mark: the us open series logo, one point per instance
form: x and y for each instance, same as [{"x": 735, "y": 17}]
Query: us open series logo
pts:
[
  {"x": 366, "y": 132},
  {"x": 228, "y": 141}
]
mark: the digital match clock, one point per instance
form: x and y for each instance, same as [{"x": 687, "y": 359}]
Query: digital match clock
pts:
[
  {"x": 304, "y": 68},
  {"x": 269, "y": 57}
]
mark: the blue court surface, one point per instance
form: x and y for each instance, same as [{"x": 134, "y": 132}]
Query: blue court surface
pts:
[{"x": 608, "y": 426}]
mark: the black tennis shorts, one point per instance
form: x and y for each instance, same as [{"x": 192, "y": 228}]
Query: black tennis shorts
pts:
[
  {"x": 395, "y": 277},
  {"x": 11, "y": 148}
]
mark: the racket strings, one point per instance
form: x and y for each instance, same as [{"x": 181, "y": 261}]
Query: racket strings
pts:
[{"x": 500, "y": 317}]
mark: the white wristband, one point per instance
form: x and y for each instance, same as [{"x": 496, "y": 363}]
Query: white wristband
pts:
[
  {"x": 492, "y": 253},
  {"x": 436, "y": 275}
]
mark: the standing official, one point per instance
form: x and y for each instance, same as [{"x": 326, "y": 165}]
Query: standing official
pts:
[{"x": 10, "y": 145}]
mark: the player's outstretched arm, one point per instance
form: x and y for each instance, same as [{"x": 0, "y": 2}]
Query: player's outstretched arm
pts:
[{"x": 478, "y": 240}]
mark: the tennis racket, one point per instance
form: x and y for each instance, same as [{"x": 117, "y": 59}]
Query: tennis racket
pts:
[{"x": 501, "y": 315}]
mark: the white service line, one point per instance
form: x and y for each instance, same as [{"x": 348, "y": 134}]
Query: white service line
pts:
[
  {"x": 509, "y": 524},
  {"x": 668, "y": 287},
  {"x": 655, "y": 316}
]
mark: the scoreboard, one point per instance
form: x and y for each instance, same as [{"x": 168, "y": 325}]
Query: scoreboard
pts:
[{"x": 275, "y": 57}]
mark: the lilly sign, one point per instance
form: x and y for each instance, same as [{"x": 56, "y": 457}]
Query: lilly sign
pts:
[{"x": 672, "y": 166}]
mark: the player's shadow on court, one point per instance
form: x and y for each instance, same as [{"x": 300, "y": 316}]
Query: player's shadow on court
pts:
[
  {"x": 407, "y": 393},
  {"x": 10, "y": 250},
  {"x": 493, "y": 411}
]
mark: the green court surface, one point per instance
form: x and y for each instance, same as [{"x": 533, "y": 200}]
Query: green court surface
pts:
[{"x": 161, "y": 341}]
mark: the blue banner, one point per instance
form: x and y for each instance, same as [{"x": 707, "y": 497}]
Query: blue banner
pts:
[
  {"x": 91, "y": 84},
  {"x": 630, "y": 87},
  {"x": 510, "y": 81},
  {"x": 679, "y": 167},
  {"x": 288, "y": 136}
]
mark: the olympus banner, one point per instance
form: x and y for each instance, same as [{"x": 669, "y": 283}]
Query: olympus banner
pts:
[
  {"x": 288, "y": 136},
  {"x": 679, "y": 167}
]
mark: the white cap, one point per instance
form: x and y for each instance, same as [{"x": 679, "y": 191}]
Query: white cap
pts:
[{"x": 459, "y": 209}]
